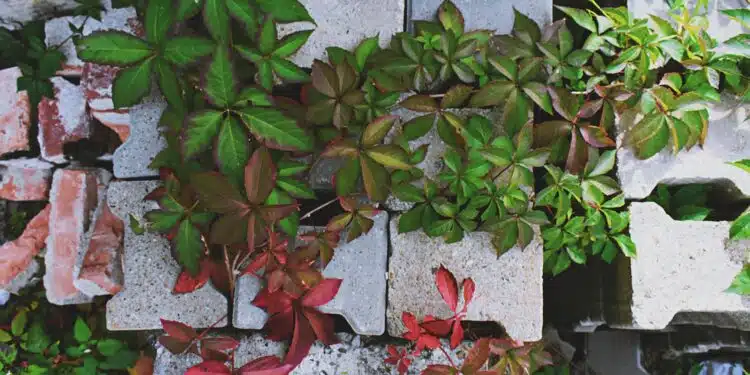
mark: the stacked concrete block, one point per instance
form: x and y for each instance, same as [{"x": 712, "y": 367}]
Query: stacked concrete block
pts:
[
  {"x": 62, "y": 120},
  {"x": 132, "y": 158},
  {"x": 151, "y": 272},
  {"x": 17, "y": 12},
  {"x": 508, "y": 288},
  {"x": 25, "y": 179},
  {"x": 682, "y": 266},
  {"x": 615, "y": 353},
  {"x": 15, "y": 113},
  {"x": 344, "y": 23},
  {"x": 97, "y": 83},
  {"x": 728, "y": 140},
  {"x": 361, "y": 300},
  {"x": 485, "y": 14}
]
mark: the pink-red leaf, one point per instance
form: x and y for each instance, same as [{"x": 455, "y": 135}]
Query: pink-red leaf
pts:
[
  {"x": 468, "y": 287},
  {"x": 596, "y": 136},
  {"x": 440, "y": 328},
  {"x": 209, "y": 368},
  {"x": 447, "y": 286},
  {"x": 220, "y": 343},
  {"x": 270, "y": 365},
  {"x": 477, "y": 356},
  {"x": 302, "y": 340},
  {"x": 439, "y": 370},
  {"x": 322, "y": 325},
  {"x": 260, "y": 176},
  {"x": 186, "y": 283},
  {"x": 178, "y": 330},
  {"x": 322, "y": 293},
  {"x": 457, "y": 334}
]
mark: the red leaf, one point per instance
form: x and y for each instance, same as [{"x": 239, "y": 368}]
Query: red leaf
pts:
[
  {"x": 412, "y": 326},
  {"x": 322, "y": 325},
  {"x": 257, "y": 263},
  {"x": 174, "y": 345},
  {"x": 439, "y": 370},
  {"x": 279, "y": 326},
  {"x": 270, "y": 365},
  {"x": 448, "y": 287},
  {"x": 209, "y": 368},
  {"x": 428, "y": 341},
  {"x": 220, "y": 343},
  {"x": 156, "y": 194},
  {"x": 477, "y": 356},
  {"x": 322, "y": 293},
  {"x": 186, "y": 283},
  {"x": 220, "y": 278},
  {"x": 577, "y": 154},
  {"x": 178, "y": 330},
  {"x": 213, "y": 355},
  {"x": 272, "y": 214},
  {"x": 596, "y": 136},
  {"x": 302, "y": 341},
  {"x": 260, "y": 176},
  {"x": 457, "y": 335},
  {"x": 440, "y": 328},
  {"x": 468, "y": 287}
]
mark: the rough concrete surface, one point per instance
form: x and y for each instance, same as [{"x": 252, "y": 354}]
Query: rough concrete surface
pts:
[
  {"x": 247, "y": 315},
  {"x": 344, "y": 23},
  {"x": 17, "y": 12},
  {"x": 681, "y": 266},
  {"x": 150, "y": 273},
  {"x": 615, "y": 353},
  {"x": 508, "y": 289},
  {"x": 133, "y": 157},
  {"x": 720, "y": 27},
  {"x": 487, "y": 14},
  {"x": 728, "y": 140}
]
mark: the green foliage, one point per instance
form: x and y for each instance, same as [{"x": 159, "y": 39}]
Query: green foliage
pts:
[{"x": 685, "y": 203}]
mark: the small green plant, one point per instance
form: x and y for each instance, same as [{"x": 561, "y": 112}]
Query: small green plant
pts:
[
  {"x": 740, "y": 230},
  {"x": 685, "y": 202}
]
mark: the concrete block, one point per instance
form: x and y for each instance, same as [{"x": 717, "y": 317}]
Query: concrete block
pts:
[
  {"x": 132, "y": 158},
  {"x": 486, "y": 14},
  {"x": 150, "y": 273},
  {"x": 57, "y": 32},
  {"x": 615, "y": 353},
  {"x": 344, "y": 23},
  {"x": 17, "y": 12},
  {"x": 508, "y": 289},
  {"x": 728, "y": 140},
  {"x": 682, "y": 266},
  {"x": 62, "y": 120},
  {"x": 361, "y": 263},
  {"x": 720, "y": 27},
  {"x": 15, "y": 113},
  {"x": 25, "y": 179},
  {"x": 353, "y": 355}
]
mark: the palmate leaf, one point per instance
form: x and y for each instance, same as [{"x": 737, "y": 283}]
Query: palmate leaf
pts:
[
  {"x": 113, "y": 48},
  {"x": 189, "y": 246},
  {"x": 275, "y": 129},
  {"x": 220, "y": 84},
  {"x": 216, "y": 18},
  {"x": 285, "y": 10},
  {"x": 232, "y": 149},
  {"x": 185, "y": 50},
  {"x": 132, "y": 84},
  {"x": 202, "y": 128},
  {"x": 169, "y": 83},
  {"x": 158, "y": 20}
]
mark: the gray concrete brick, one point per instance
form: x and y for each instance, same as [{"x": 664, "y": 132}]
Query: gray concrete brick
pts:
[
  {"x": 133, "y": 157},
  {"x": 486, "y": 14},
  {"x": 508, "y": 289},
  {"x": 615, "y": 353},
  {"x": 247, "y": 315},
  {"x": 150, "y": 274}
]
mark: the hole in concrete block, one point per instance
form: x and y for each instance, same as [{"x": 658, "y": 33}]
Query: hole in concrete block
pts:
[
  {"x": 90, "y": 151},
  {"x": 14, "y": 216},
  {"x": 718, "y": 201}
]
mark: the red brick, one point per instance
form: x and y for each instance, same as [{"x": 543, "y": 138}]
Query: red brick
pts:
[
  {"x": 74, "y": 197},
  {"x": 15, "y": 113},
  {"x": 97, "y": 86},
  {"x": 62, "y": 120},
  {"x": 25, "y": 179},
  {"x": 101, "y": 272},
  {"x": 17, "y": 255}
]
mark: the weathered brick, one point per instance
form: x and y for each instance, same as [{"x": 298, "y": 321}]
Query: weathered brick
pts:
[
  {"x": 17, "y": 263},
  {"x": 25, "y": 179},
  {"x": 97, "y": 87},
  {"x": 15, "y": 113},
  {"x": 62, "y": 120},
  {"x": 74, "y": 198}
]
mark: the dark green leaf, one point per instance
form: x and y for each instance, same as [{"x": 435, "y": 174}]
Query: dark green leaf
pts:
[
  {"x": 347, "y": 177},
  {"x": 232, "y": 149},
  {"x": 216, "y": 18},
  {"x": 291, "y": 43},
  {"x": 169, "y": 84},
  {"x": 81, "y": 331},
  {"x": 220, "y": 83},
  {"x": 276, "y": 129},
  {"x": 242, "y": 11},
  {"x": 201, "y": 130},
  {"x": 158, "y": 20},
  {"x": 185, "y": 50},
  {"x": 132, "y": 84},
  {"x": 285, "y": 10},
  {"x": 189, "y": 247},
  {"x": 113, "y": 48}
]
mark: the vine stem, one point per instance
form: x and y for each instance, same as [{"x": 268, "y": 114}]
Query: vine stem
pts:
[
  {"x": 316, "y": 209},
  {"x": 71, "y": 35},
  {"x": 447, "y": 356},
  {"x": 230, "y": 273}
]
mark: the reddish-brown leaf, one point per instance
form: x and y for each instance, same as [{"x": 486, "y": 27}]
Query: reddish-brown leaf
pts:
[
  {"x": 186, "y": 283},
  {"x": 457, "y": 334},
  {"x": 439, "y": 370},
  {"x": 324, "y": 79},
  {"x": 439, "y": 328},
  {"x": 577, "y": 155},
  {"x": 447, "y": 286},
  {"x": 468, "y": 287},
  {"x": 178, "y": 330},
  {"x": 143, "y": 366},
  {"x": 590, "y": 108},
  {"x": 220, "y": 343},
  {"x": 302, "y": 340},
  {"x": 217, "y": 193},
  {"x": 229, "y": 229},
  {"x": 173, "y": 344},
  {"x": 279, "y": 327},
  {"x": 156, "y": 194},
  {"x": 339, "y": 222},
  {"x": 420, "y": 103},
  {"x": 260, "y": 176},
  {"x": 565, "y": 103},
  {"x": 209, "y": 368},
  {"x": 596, "y": 136},
  {"x": 213, "y": 355},
  {"x": 270, "y": 365},
  {"x": 477, "y": 356},
  {"x": 257, "y": 263},
  {"x": 322, "y": 293},
  {"x": 322, "y": 325},
  {"x": 340, "y": 148},
  {"x": 456, "y": 96},
  {"x": 272, "y": 214}
]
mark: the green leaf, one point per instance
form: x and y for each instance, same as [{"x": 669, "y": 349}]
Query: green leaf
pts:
[
  {"x": 295, "y": 188},
  {"x": 169, "y": 84},
  {"x": 375, "y": 178},
  {"x": 81, "y": 331},
  {"x": 187, "y": 9},
  {"x": 562, "y": 264},
  {"x": 376, "y": 131},
  {"x": 740, "y": 15},
  {"x": 391, "y": 156},
  {"x": 288, "y": 71},
  {"x": 649, "y": 136},
  {"x": 189, "y": 247},
  {"x": 5, "y": 336},
  {"x": 744, "y": 164},
  {"x": 492, "y": 94},
  {"x": 365, "y": 48},
  {"x": 158, "y": 20},
  {"x": 132, "y": 84},
  {"x": 418, "y": 127},
  {"x": 163, "y": 221},
  {"x": 626, "y": 245},
  {"x": 232, "y": 149},
  {"x": 411, "y": 220},
  {"x": 109, "y": 347},
  {"x": 581, "y": 17},
  {"x": 216, "y": 19},
  {"x": 276, "y": 129},
  {"x": 267, "y": 36},
  {"x": 113, "y": 48},
  {"x": 242, "y": 11},
  {"x": 18, "y": 324},
  {"x": 202, "y": 127},
  {"x": 122, "y": 360},
  {"x": 291, "y": 43},
  {"x": 285, "y": 10},
  {"x": 220, "y": 85},
  {"x": 451, "y": 18},
  {"x": 741, "y": 283},
  {"x": 577, "y": 255},
  {"x": 347, "y": 177},
  {"x": 740, "y": 228},
  {"x": 185, "y": 50}
]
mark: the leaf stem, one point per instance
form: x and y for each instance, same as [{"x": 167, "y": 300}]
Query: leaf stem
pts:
[
  {"x": 447, "y": 356},
  {"x": 316, "y": 209}
]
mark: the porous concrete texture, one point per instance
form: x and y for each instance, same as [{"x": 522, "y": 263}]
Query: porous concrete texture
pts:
[
  {"x": 352, "y": 356},
  {"x": 345, "y": 23},
  {"x": 362, "y": 264},
  {"x": 361, "y": 300},
  {"x": 132, "y": 158},
  {"x": 247, "y": 315},
  {"x": 15, "y": 113},
  {"x": 25, "y": 179},
  {"x": 17, "y": 12},
  {"x": 508, "y": 288},
  {"x": 615, "y": 353},
  {"x": 486, "y": 14},
  {"x": 682, "y": 266},
  {"x": 728, "y": 140},
  {"x": 720, "y": 26},
  {"x": 151, "y": 271}
]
